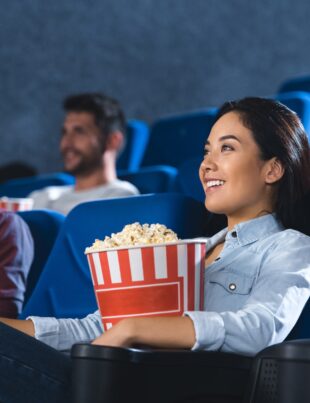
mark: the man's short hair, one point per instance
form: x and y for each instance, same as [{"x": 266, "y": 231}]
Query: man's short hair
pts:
[{"x": 107, "y": 112}]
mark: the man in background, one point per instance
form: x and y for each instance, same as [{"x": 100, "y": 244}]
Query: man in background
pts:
[{"x": 93, "y": 134}]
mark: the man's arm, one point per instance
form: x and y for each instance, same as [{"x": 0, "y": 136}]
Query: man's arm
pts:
[
  {"x": 16, "y": 254},
  {"x": 25, "y": 326}
]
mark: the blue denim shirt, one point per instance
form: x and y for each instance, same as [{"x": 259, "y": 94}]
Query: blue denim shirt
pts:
[{"x": 254, "y": 292}]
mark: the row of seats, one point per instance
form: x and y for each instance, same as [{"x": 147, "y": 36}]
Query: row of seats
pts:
[
  {"x": 293, "y": 84},
  {"x": 153, "y": 179},
  {"x": 173, "y": 139},
  {"x": 175, "y": 143},
  {"x": 154, "y": 156}
]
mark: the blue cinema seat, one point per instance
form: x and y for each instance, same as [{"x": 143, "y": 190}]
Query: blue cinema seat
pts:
[
  {"x": 136, "y": 142},
  {"x": 299, "y": 102},
  {"x": 44, "y": 226},
  {"x": 188, "y": 181},
  {"x": 154, "y": 179},
  {"x": 64, "y": 288},
  {"x": 176, "y": 138},
  {"x": 23, "y": 186},
  {"x": 296, "y": 84}
]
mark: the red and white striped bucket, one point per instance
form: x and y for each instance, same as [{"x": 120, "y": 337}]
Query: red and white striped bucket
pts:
[
  {"x": 16, "y": 204},
  {"x": 156, "y": 280}
]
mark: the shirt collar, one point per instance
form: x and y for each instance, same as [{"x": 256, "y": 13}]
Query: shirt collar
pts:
[{"x": 248, "y": 231}]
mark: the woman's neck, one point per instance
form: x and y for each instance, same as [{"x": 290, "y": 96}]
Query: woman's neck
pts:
[{"x": 234, "y": 220}]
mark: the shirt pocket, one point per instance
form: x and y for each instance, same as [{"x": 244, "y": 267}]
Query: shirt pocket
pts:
[{"x": 233, "y": 283}]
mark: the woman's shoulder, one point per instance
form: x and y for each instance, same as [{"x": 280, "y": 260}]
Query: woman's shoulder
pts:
[
  {"x": 294, "y": 235},
  {"x": 289, "y": 241}
]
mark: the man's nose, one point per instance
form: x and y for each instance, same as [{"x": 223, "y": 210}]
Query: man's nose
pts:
[{"x": 65, "y": 140}]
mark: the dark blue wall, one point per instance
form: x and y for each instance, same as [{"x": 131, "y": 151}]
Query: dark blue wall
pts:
[{"x": 156, "y": 56}]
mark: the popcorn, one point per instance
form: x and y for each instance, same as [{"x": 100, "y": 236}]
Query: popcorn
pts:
[{"x": 135, "y": 234}]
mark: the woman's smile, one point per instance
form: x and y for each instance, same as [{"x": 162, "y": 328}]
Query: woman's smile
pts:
[{"x": 210, "y": 184}]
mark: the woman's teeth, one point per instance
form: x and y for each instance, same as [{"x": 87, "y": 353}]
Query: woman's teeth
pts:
[{"x": 214, "y": 183}]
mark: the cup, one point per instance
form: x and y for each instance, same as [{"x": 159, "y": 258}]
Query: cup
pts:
[
  {"x": 16, "y": 203},
  {"x": 151, "y": 280}
]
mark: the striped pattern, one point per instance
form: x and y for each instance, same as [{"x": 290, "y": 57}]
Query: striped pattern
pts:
[
  {"x": 153, "y": 280},
  {"x": 16, "y": 205}
]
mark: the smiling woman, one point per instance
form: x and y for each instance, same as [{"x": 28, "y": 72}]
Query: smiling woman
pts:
[
  {"x": 257, "y": 270},
  {"x": 256, "y": 170}
]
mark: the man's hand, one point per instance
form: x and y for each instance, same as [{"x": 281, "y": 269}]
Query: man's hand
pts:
[{"x": 25, "y": 326}]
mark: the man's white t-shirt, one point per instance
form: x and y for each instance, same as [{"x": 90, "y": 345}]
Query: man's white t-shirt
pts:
[{"x": 64, "y": 198}]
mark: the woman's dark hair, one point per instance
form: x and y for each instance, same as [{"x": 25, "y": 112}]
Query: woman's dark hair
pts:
[{"x": 279, "y": 133}]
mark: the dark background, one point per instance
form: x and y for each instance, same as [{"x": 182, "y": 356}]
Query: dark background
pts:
[{"x": 156, "y": 56}]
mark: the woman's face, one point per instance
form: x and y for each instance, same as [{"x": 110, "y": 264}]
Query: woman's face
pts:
[{"x": 232, "y": 174}]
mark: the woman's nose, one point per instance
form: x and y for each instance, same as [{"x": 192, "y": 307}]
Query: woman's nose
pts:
[{"x": 208, "y": 163}]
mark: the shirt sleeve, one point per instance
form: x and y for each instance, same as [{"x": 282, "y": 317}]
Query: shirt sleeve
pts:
[
  {"x": 16, "y": 255},
  {"x": 61, "y": 334},
  {"x": 277, "y": 299}
]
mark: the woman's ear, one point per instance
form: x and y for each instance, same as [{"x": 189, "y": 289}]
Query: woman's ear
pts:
[{"x": 275, "y": 170}]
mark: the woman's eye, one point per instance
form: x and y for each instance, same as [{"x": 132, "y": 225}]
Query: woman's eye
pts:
[
  {"x": 226, "y": 147},
  {"x": 205, "y": 152}
]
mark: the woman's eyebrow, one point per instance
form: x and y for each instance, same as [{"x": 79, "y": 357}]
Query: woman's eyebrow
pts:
[{"x": 226, "y": 137}]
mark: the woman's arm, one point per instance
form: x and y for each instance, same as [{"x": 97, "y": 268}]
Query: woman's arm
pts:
[{"x": 160, "y": 332}]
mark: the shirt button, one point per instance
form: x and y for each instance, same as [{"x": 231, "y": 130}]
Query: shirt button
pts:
[
  {"x": 234, "y": 234},
  {"x": 232, "y": 286}
]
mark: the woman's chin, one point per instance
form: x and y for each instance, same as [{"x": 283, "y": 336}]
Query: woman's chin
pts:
[{"x": 214, "y": 209}]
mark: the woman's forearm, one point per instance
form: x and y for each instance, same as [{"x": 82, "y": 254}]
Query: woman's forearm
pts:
[{"x": 160, "y": 332}]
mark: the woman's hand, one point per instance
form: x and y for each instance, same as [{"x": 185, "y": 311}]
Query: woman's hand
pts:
[
  {"x": 120, "y": 335},
  {"x": 160, "y": 332}
]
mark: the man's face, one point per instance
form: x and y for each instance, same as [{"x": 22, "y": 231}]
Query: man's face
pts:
[{"x": 81, "y": 143}]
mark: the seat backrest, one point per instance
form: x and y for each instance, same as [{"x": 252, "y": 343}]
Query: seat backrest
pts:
[
  {"x": 187, "y": 180},
  {"x": 44, "y": 226},
  {"x": 296, "y": 84},
  {"x": 64, "y": 288},
  {"x": 137, "y": 137},
  {"x": 299, "y": 102},
  {"x": 301, "y": 329},
  {"x": 174, "y": 139},
  {"x": 22, "y": 187},
  {"x": 155, "y": 179}
]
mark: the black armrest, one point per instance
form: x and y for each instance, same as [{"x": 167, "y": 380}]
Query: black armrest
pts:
[
  {"x": 116, "y": 375},
  {"x": 281, "y": 374}
]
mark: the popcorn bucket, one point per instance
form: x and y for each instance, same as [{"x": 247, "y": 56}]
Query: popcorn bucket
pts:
[
  {"x": 16, "y": 204},
  {"x": 151, "y": 280}
]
